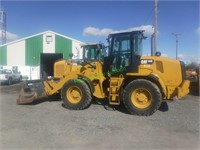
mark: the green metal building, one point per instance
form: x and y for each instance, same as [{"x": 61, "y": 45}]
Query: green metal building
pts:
[{"x": 26, "y": 52}]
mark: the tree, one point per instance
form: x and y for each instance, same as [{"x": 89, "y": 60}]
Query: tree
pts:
[{"x": 192, "y": 66}]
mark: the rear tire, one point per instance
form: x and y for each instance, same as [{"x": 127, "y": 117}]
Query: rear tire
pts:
[
  {"x": 142, "y": 97},
  {"x": 76, "y": 95},
  {"x": 20, "y": 79}
]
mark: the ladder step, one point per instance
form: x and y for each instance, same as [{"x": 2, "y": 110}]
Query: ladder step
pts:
[
  {"x": 114, "y": 91},
  {"x": 114, "y": 103}
]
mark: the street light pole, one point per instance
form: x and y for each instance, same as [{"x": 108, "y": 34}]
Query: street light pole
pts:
[
  {"x": 176, "y": 35},
  {"x": 155, "y": 26}
]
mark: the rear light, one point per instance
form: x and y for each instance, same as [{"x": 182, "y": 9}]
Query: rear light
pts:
[{"x": 6, "y": 76}]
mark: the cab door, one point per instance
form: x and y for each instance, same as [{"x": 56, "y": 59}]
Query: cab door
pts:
[
  {"x": 120, "y": 54},
  {"x": 125, "y": 50}
]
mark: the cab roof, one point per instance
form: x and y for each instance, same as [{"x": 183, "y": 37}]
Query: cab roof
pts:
[{"x": 126, "y": 32}]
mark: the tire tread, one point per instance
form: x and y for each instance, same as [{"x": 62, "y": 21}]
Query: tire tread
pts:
[
  {"x": 156, "y": 92},
  {"x": 87, "y": 99}
]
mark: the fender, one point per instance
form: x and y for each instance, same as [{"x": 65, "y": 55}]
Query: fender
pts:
[
  {"x": 159, "y": 81},
  {"x": 88, "y": 81}
]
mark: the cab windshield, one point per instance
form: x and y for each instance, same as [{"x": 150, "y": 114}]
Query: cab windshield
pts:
[
  {"x": 5, "y": 71},
  {"x": 92, "y": 52},
  {"x": 125, "y": 43},
  {"x": 124, "y": 48}
]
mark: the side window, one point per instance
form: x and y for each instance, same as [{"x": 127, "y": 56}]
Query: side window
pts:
[
  {"x": 8, "y": 72},
  {"x": 121, "y": 43},
  {"x": 86, "y": 53},
  {"x": 137, "y": 42},
  {"x": 125, "y": 45}
]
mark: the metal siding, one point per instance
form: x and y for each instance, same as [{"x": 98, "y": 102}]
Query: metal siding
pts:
[
  {"x": 19, "y": 59},
  {"x": 3, "y": 56},
  {"x": 34, "y": 46},
  {"x": 77, "y": 50},
  {"x": 64, "y": 46}
]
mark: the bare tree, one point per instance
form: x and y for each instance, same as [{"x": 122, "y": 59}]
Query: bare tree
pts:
[{"x": 192, "y": 66}]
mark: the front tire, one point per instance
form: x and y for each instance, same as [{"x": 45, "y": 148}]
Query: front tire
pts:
[
  {"x": 76, "y": 95},
  {"x": 9, "y": 82},
  {"x": 142, "y": 97},
  {"x": 20, "y": 79}
]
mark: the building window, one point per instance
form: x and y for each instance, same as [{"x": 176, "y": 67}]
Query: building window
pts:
[{"x": 49, "y": 39}]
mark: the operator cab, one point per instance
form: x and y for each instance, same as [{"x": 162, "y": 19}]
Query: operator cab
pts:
[{"x": 125, "y": 50}]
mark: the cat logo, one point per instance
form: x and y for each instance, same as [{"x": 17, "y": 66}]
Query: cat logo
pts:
[{"x": 147, "y": 61}]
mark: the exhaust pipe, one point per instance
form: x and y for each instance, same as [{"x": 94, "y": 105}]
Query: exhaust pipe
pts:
[{"x": 31, "y": 91}]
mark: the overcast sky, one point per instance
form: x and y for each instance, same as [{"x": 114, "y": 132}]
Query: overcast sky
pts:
[{"x": 90, "y": 21}]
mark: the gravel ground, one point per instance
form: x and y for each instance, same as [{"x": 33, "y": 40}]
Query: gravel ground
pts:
[{"x": 48, "y": 125}]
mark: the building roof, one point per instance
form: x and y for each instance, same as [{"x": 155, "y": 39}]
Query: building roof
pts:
[{"x": 48, "y": 31}]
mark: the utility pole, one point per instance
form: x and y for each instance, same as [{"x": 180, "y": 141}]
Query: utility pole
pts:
[
  {"x": 176, "y": 35},
  {"x": 2, "y": 25},
  {"x": 155, "y": 26},
  {"x": 152, "y": 45}
]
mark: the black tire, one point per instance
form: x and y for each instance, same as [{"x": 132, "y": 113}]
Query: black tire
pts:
[
  {"x": 142, "y": 97},
  {"x": 9, "y": 82},
  {"x": 82, "y": 97},
  {"x": 20, "y": 79}
]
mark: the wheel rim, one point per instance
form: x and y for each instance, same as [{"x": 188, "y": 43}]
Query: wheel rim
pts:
[
  {"x": 141, "y": 98},
  {"x": 74, "y": 95}
]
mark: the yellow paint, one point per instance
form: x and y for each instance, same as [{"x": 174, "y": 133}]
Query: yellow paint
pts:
[
  {"x": 141, "y": 98},
  {"x": 114, "y": 89},
  {"x": 166, "y": 71},
  {"x": 169, "y": 75},
  {"x": 74, "y": 95},
  {"x": 183, "y": 89}
]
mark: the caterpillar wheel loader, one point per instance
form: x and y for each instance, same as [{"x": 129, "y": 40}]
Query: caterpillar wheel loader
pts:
[{"x": 124, "y": 76}]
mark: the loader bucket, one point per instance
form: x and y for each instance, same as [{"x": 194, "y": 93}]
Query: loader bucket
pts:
[{"x": 31, "y": 91}]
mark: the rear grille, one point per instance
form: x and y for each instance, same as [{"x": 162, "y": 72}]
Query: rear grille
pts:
[{"x": 59, "y": 70}]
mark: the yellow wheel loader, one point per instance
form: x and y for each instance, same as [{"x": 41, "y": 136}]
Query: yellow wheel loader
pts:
[{"x": 123, "y": 76}]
